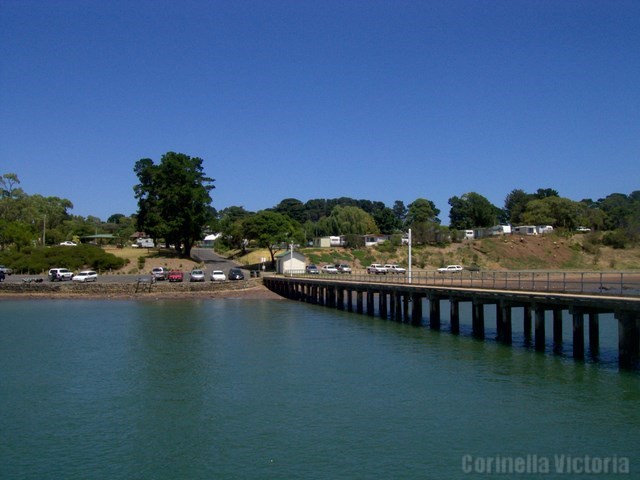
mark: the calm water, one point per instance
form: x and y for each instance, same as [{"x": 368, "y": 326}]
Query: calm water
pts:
[{"x": 276, "y": 389}]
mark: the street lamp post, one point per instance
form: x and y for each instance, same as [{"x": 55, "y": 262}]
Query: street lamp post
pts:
[{"x": 409, "y": 255}]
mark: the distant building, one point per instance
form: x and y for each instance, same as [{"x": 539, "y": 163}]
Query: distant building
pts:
[{"x": 286, "y": 262}]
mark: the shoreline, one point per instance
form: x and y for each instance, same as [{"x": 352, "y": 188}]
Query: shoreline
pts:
[{"x": 245, "y": 290}]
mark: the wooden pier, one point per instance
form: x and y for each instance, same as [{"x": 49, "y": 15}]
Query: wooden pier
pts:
[{"x": 404, "y": 303}]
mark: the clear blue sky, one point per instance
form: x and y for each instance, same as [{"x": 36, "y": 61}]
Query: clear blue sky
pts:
[{"x": 378, "y": 100}]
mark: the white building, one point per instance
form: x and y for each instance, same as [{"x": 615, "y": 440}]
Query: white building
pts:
[{"x": 286, "y": 262}]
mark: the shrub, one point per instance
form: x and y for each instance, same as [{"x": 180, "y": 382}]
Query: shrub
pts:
[{"x": 616, "y": 239}]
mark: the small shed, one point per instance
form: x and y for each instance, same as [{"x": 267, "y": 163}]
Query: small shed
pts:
[{"x": 286, "y": 262}]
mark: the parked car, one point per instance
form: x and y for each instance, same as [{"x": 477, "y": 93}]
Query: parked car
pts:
[
  {"x": 218, "y": 276},
  {"x": 160, "y": 273},
  {"x": 236, "y": 274},
  {"x": 377, "y": 268},
  {"x": 395, "y": 268},
  {"x": 6, "y": 270},
  {"x": 312, "y": 269},
  {"x": 344, "y": 268},
  {"x": 329, "y": 269},
  {"x": 197, "y": 276},
  {"x": 176, "y": 276},
  {"x": 60, "y": 274},
  {"x": 68, "y": 244},
  {"x": 85, "y": 276},
  {"x": 450, "y": 269}
]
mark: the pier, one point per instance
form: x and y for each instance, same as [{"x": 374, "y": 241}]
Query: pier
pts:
[{"x": 402, "y": 301}]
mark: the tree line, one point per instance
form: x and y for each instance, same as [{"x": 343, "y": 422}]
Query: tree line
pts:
[{"x": 175, "y": 205}]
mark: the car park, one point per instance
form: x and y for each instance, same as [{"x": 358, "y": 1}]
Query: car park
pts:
[
  {"x": 176, "y": 276},
  {"x": 85, "y": 276},
  {"x": 218, "y": 276},
  {"x": 395, "y": 268},
  {"x": 450, "y": 269},
  {"x": 197, "y": 275},
  {"x": 312, "y": 269},
  {"x": 329, "y": 269},
  {"x": 236, "y": 274},
  {"x": 160, "y": 273},
  {"x": 377, "y": 268},
  {"x": 343, "y": 268},
  {"x": 60, "y": 274}
]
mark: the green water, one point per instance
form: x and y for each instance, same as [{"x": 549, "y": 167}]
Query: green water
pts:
[{"x": 275, "y": 389}]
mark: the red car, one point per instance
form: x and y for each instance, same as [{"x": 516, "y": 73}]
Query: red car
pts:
[{"x": 176, "y": 276}]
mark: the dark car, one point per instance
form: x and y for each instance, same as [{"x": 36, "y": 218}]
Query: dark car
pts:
[
  {"x": 312, "y": 269},
  {"x": 235, "y": 274}
]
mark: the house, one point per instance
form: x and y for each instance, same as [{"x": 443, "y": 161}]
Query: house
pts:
[
  {"x": 210, "y": 239},
  {"x": 327, "y": 242},
  {"x": 373, "y": 240},
  {"x": 525, "y": 230},
  {"x": 492, "y": 231},
  {"x": 287, "y": 262}
]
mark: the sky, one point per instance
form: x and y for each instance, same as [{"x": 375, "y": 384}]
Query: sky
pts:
[{"x": 375, "y": 100}]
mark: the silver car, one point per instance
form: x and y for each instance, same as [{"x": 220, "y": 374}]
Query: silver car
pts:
[{"x": 196, "y": 276}]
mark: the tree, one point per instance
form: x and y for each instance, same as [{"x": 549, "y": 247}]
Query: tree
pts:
[
  {"x": 271, "y": 229},
  {"x": 387, "y": 221},
  {"x": 470, "y": 211},
  {"x": 173, "y": 198},
  {"x": 352, "y": 220},
  {"x": 515, "y": 204},
  {"x": 422, "y": 210},
  {"x": 556, "y": 211},
  {"x": 292, "y": 207}
]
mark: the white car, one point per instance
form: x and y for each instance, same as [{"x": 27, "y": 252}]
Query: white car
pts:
[
  {"x": 329, "y": 269},
  {"x": 395, "y": 268},
  {"x": 60, "y": 274},
  {"x": 377, "y": 268},
  {"x": 450, "y": 269},
  {"x": 85, "y": 276},
  {"x": 68, "y": 244},
  {"x": 218, "y": 276}
]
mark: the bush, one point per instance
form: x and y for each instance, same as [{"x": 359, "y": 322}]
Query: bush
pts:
[
  {"x": 616, "y": 239},
  {"x": 40, "y": 259}
]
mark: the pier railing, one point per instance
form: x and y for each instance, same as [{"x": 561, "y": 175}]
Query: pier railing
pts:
[{"x": 604, "y": 283}]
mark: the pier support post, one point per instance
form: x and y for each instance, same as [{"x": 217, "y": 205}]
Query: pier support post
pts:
[
  {"x": 527, "y": 324},
  {"x": 416, "y": 309},
  {"x": 506, "y": 335},
  {"x": 454, "y": 304},
  {"x": 359, "y": 302},
  {"x": 539, "y": 329},
  {"x": 340, "y": 298},
  {"x": 578, "y": 335},
  {"x": 594, "y": 335},
  {"x": 349, "y": 300},
  {"x": 392, "y": 305},
  {"x": 628, "y": 340},
  {"x": 405, "y": 308},
  {"x": 370, "y": 308},
  {"x": 434, "y": 313},
  {"x": 557, "y": 331},
  {"x": 478, "y": 320},
  {"x": 398, "y": 304},
  {"x": 382, "y": 304}
]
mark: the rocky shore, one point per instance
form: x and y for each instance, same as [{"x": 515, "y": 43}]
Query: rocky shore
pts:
[{"x": 252, "y": 288}]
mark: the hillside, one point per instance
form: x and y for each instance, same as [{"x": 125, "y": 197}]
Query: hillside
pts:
[{"x": 549, "y": 252}]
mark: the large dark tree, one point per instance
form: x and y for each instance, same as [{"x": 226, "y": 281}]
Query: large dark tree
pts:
[
  {"x": 472, "y": 210},
  {"x": 173, "y": 199}
]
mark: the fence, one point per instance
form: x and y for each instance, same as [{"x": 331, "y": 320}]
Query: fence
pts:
[{"x": 605, "y": 283}]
